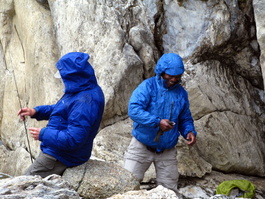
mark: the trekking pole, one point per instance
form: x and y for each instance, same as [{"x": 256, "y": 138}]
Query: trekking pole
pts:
[{"x": 24, "y": 122}]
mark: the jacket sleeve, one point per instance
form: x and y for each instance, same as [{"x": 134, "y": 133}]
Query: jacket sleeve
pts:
[
  {"x": 43, "y": 112},
  {"x": 138, "y": 106},
  {"x": 186, "y": 123},
  {"x": 80, "y": 128}
]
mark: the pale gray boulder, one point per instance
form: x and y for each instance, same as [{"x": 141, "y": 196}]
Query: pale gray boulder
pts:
[{"x": 98, "y": 179}]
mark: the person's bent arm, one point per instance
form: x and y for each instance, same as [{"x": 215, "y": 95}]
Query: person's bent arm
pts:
[{"x": 138, "y": 106}]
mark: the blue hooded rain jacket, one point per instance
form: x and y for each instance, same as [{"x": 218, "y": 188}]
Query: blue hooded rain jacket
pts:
[
  {"x": 153, "y": 100},
  {"x": 74, "y": 120}
]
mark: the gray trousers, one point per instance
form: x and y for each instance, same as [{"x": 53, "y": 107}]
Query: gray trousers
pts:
[
  {"x": 138, "y": 158},
  {"x": 45, "y": 165}
]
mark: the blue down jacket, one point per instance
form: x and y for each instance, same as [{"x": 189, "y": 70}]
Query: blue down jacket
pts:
[
  {"x": 152, "y": 101},
  {"x": 74, "y": 120}
]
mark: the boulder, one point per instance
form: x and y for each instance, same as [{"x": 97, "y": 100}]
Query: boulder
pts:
[
  {"x": 99, "y": 179},
  {"x": 158, "y": 192},
  {"x": 52, "y": 187},
  {"x": 14, "y": 168}
]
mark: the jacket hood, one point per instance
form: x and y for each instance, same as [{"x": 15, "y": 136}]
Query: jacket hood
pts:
[
  {"x": 170, "y": 64},
  {"x": 76, "y": 72}
]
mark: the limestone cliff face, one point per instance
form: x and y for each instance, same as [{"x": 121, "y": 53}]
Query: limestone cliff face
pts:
[{"x": 221, "y": 41}]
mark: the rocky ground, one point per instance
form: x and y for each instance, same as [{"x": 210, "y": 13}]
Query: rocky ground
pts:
[
  {"x": 191, "y": 186},
  {"x": 54, "y": 187}
]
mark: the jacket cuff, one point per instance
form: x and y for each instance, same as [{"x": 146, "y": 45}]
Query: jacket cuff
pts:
[
  {"x": 192, "y": 131},
  {"x": 158, "y": 121},
  {"x": 36, "y": 114}
]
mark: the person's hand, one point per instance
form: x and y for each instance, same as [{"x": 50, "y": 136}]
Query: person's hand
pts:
[
  {"x": 191, "y": 139},
  {"x": 35, "y": 132},
  {"x": 26, "y": 112},
  {"x": 166, "y": 125}
]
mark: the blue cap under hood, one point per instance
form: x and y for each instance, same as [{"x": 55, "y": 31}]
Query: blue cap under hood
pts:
[
  {"x": 170, "y": 64},
  {"x": 76, "y": 72}
]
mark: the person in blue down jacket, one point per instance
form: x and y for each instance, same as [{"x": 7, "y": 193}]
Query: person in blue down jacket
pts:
[
  {"x": 159, "y": 107},
  {"x": 74, "y": 120}
]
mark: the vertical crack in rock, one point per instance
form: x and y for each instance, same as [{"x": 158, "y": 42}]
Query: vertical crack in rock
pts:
[
  {"x": 82, "y": 178},
  {"x": 160, "y": 26},
  {"x": 4, "y": 59}
]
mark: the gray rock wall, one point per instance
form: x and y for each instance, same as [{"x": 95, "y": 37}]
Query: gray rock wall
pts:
[{"x": 222, "y": 45}]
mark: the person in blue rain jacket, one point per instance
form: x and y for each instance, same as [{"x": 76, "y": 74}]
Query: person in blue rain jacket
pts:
[
  {"x": 159, "y": 108},
  {"x": 74, "y": 120}
]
